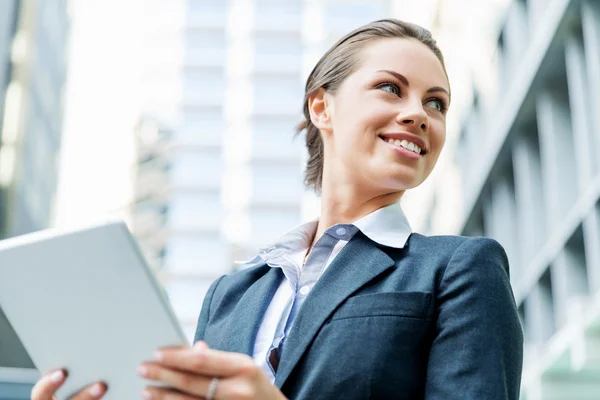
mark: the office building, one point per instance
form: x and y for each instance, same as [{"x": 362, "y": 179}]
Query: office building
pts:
[
  {"x": 178, "y": 210},
  {"x": 528, "y": 157},
  {"x": 33, "y": 63}
]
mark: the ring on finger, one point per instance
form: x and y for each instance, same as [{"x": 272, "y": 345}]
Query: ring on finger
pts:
[{"x": 212, "y": 388}]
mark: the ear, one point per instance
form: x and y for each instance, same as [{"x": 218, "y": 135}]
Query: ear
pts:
[{"x": 320, "y": 107}]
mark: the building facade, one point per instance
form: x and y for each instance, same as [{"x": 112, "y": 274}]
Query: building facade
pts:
[
  {"x": 33, "y": 64},
  {"x": 528, "y": 157}
]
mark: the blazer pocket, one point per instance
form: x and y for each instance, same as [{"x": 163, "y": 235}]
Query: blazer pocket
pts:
[{"x": 398, "y": 304}]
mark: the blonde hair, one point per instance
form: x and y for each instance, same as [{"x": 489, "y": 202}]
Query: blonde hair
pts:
[{"x": 335, "y": 66}]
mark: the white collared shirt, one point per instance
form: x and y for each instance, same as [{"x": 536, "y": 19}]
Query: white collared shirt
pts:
[{"x": 387, "y": 226}]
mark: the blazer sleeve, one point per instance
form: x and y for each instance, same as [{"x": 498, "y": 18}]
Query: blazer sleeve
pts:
[
  {"x": 205, "y": 311},
  {"x": 477, "y": 349}
]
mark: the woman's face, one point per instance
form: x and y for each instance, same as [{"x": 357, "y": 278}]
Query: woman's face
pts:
[{"x": 385, "y": 126}]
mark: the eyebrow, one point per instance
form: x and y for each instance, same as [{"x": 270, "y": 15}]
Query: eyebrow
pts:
[{"x": 403, "y": 79}]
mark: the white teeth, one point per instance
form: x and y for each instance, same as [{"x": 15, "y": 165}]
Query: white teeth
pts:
[{"x": 406, "y": 144}]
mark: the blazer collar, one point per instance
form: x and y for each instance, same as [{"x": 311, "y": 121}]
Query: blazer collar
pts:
[{"x": 242, "y": 326}]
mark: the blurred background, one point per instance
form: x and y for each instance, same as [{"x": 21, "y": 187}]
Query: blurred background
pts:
[{"x": 179, "y": 116}]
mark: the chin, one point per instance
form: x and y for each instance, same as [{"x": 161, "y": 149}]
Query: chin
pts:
[
  {"x": 388, "y": 177},
  {"x": 396, "y": 184},
  {"x": 404, "y": 180}
]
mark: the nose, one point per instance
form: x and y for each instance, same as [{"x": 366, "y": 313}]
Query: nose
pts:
[{"x": 414, "y": 115}]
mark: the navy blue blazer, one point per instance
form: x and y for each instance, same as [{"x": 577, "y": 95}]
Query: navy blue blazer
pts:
[{"x": 433, "y": 320}]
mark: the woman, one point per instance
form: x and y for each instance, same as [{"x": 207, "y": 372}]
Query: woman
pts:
[{"x": 354, "y": 306}]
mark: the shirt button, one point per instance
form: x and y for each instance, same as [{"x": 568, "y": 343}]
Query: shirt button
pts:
[
  {"x": 340, "y": 231},
  {"x": 304, "y": 290}
]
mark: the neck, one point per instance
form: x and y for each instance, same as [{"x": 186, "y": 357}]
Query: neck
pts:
[{"x": 345, "y": 203}]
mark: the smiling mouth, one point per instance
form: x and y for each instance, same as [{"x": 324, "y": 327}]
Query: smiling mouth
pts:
[{"x": 405, "y": 144}]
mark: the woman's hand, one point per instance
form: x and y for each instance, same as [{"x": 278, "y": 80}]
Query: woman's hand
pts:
[
  {"x": 48, "y": 384},
  {"x": 189, "y": 371}
]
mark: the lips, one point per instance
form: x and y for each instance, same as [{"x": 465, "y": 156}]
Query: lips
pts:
[{"x": 408, "y": 137}]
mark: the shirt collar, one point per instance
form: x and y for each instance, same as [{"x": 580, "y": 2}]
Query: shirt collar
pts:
[
  {"x": 293, "y": 241},
  {"x": 387, "y": 226}
]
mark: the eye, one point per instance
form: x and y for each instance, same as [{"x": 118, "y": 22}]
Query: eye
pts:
[
  {"x": 437, "y": 104},
  {"x": 389, "y": 87}
]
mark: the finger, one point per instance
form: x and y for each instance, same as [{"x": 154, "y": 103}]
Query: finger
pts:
[
  {"x": 205, "y": 361},
  {"x": 199, "y": 345},
  {"x": 157, "y": 393},
  {"x": 94, "y": 391},
  {"x": 182, "y": 380},
  {"x": 45, "y": 388}
]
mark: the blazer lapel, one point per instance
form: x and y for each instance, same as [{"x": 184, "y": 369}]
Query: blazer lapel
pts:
[
  {"x": 247, "y": 315},
  {"x": 358, "y": 263}
]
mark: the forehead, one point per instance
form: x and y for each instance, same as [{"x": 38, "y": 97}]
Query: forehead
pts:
[{"x": 408, "y": 57}]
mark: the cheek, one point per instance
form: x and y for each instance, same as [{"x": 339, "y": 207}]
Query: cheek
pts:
[
  {"x": 438, "y": 136},
  {"x": 355, "y": 137},
  {"x": 353, "y": 149},
  {"x": 356, "y": 125}
]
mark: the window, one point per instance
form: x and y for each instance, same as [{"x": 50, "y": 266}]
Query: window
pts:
[
  {"x": 203, "y": 85},
  {"x": 197, "y": 169},
  {"x": 274, "y": 137},
  {"x": 198, "y": 119},
  {"x": 205, "y": 47},
  {"x": 201, "y": 126},
  {"x": 268, "y": 225},
  {"x": 279, "y": 86},
  {"x": 203, "y": 254},
  {"x": 277, "y": 17},
  {"x": 277, "y": 184},
  {"x": 199, "y": 40},
  {"x": 282, "y": 45},
  {"x": 344, "y": 17},
  {"x": 278, "y": 53},
  {"x": 206, "y": 5},
  {"x": 272, "y": 94},
  {"x": 186, "y": 297},
  {"x": 195, "y": 211},
  {"x": 293, "y": 7}
]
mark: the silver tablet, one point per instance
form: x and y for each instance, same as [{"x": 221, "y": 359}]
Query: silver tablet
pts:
[{"x": 86, "y": 300}]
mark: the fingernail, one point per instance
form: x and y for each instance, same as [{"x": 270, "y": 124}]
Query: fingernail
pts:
[
  {"x": 96, "y": 390},
  {"x": 146, "y": 395},
  {"x": 158, "y": 356},
  {"x": 142, "y": 371},
  {"x": 57, "y": 376}
]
